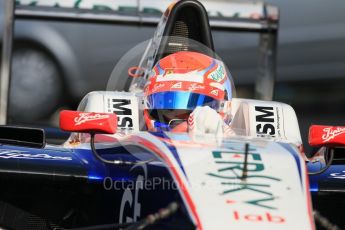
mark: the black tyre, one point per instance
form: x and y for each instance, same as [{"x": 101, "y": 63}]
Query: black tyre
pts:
[{"x": 36, "y": 86}]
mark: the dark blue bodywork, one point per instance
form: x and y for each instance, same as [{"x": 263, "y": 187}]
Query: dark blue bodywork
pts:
[
  {"x": 328, "y": 190},
  {"x": 71, "y": 188}
]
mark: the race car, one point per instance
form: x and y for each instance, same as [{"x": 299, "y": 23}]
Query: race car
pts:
[{"x": 142, "y": 159}]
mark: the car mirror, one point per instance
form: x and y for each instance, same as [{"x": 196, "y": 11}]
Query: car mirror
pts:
[
  {"x": 88, "y": 122},
  {"x": 332, "y": 141},
  {"x": 330, "y": 136},
  {"x": 93, "y": 123}
]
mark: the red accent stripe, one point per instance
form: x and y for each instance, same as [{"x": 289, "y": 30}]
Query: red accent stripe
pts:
[
  {"x": 176, "y": 175},
  {"x": 308, "y": 197},
  {"x": 309, "y": 203}
]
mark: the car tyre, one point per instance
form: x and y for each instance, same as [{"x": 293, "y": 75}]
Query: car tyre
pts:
[{"x": 36, "y": 85}]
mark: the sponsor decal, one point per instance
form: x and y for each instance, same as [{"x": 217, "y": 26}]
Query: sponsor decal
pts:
[
  {"x": 189, "y": 77},
  {"x": 119, "y": 106},
  {"x": 230, "y": 166},
  {"x": 85, "y": 117},
  {"x": 215, "y": 92},
  {"x": 157, "y": 87},
  {"x": 195, "y": 86},
  {"x": 177, "y": 86},
  {"x": 236, "y": 10},
  {"x": 191, "y": 121},
  {"x": 268, "y": 121},
  {"x": 122, "y": 108},
  {"x": 130, "y": 208},
  {"x": 16, "y": 154},
  {"x": 338, "y": 175},
  {"x": 218, "y": 74},
  {"x": 332, "y": 132},
  {"x": 265, "y": 217}
]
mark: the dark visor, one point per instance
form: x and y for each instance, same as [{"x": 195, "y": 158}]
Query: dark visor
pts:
[{"x": 180, "y": 101}]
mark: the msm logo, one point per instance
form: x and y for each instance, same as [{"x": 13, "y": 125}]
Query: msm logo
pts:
[
  {"x": 122, "y": 108},
  {"x": 265, "y": 121}
]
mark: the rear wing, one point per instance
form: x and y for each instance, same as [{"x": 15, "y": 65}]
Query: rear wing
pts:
[
  {"x": 240, "y": 16},
  {"x": 244, "y": 16}
]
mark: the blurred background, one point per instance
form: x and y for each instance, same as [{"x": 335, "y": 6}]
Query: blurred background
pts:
[{"x": 55, "y": 63}]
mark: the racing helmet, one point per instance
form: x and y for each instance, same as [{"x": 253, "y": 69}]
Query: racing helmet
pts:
[{"x": 179, "y": 83}]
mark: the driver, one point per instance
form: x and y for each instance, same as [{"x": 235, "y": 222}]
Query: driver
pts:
[{"x": 188, "y": 91}]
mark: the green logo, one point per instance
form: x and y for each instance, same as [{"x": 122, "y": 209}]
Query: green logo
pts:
[
  {"x": 219, "y": 74},
  {"x": 230, "y": 168}
]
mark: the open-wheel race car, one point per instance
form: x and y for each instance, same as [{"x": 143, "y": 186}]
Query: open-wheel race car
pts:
[{"x": 177, "y": 151}]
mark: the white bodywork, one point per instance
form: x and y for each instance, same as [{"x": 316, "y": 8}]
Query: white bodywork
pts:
[
  {"x": 251, "y": 118},
  {"x": 208, "y": 171},
  {"x": 275, "y": 195},
  {"x": 127, "y": 106}
]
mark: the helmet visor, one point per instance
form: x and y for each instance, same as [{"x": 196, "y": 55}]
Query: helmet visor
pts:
[{"x": 179, "y": 101}]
